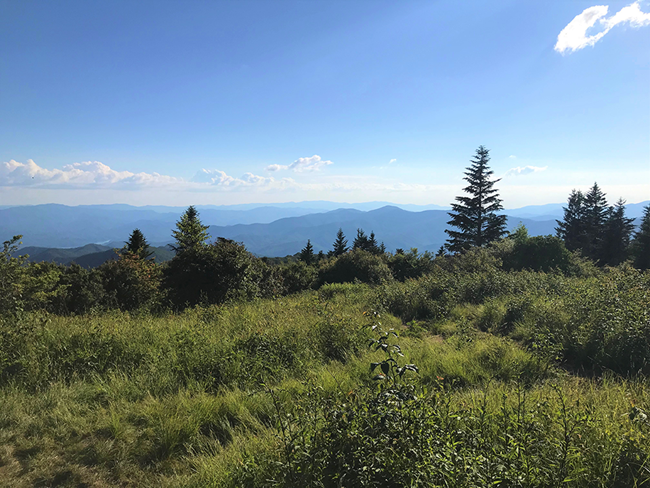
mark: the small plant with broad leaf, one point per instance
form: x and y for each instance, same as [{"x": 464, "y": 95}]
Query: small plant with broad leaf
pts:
[{"x": 391, "y": 371}]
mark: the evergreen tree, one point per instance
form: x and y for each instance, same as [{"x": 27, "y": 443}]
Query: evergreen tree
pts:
[
  {"x": 373, "y": 247},
  {"x": 572, "y": 229},
  {"x": 595, "y": 215},
  {"x": 640, "y": 246},
  {"x": 361, "y": 241},
  {"x": 137, "y": 245},
  {"x": 340, "y": 244},
  {"x": 307, "y": 253},
  {"x": 475, "y": 216},
  {"x": 616, "y": 238},
  {"x": 191, "y": 233}
]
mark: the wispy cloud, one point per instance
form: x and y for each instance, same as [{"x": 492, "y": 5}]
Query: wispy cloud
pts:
[
  {"x": 302, "y": 165},
  {"x": 392, "y": 161},
  {"x": 276, "y": 167},
  {"x": 574, "y": 36},
  {"x": 512, "y": 156},
  {"x": 89, "y": 173},
  {"x": 215, "y": 177},
  {"x": 93, "y": 174},
  {"x": 524, "y": 170}
]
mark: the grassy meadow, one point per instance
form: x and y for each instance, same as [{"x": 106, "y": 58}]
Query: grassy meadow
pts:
[{"x": 516, "y": 378}]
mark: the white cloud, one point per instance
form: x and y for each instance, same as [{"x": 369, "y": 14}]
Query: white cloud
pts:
[
  {"x": 524, "y": 170},
  {"x": 574, "y": 36},
  {"x": 302, "y": 165},
  {"x": 392, "y": 161},
  {"x": 314, "y": 163},
  {"x": 215, "y": 177},
  {"x": 252, "y": 179},
  {"x": 632, "y": 14},
  {"x": 276, "y": 167},
  {"x": 512, "y": 156},
  {"x": 93, "y": 174},
  {"x": 89, "y": 173}
]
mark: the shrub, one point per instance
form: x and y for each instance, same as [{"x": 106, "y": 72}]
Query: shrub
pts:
[
  {"x": 132, "y": 281},
  {"x": 82, "y": 291},
  {"x": 355, "y": 265},
  {"x": 297, "y": 276},
  {"x": 211, "y": 274},
  {"x": 410, "y": 264}
]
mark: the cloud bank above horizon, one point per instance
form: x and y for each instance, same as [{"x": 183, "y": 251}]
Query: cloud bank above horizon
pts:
[
  {"x": 97, "y": 175},
  {"x": 524, "y": 170},
  {"x": 95, "y": 182},
  {"x": 301, "y": 165},
  {"x": 574, "y": 36}
]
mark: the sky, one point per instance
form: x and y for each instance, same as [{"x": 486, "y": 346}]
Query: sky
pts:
[{"x": 197, "y": 102}]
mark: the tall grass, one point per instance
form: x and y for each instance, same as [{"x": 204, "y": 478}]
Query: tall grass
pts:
[{"x": 279, "y": 392}]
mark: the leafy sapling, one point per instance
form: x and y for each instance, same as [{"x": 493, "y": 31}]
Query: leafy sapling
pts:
[{"x": 391, "y": 371}]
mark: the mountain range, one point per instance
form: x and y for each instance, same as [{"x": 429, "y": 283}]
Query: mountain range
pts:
[
  {"x": 88, "y": 256},
  {"x": 270, "y": 230}
]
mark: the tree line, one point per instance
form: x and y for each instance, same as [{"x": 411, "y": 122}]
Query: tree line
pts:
[
  {"x": 598, "y": 231},
  {"x": 204, "y": 272}
]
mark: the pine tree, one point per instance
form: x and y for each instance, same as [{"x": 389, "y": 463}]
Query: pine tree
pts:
[
  {"x": 361, "y": 241},
  {"x": 340, "y": 244},
  {"x": 373, "y": 247},
  {"x": 475, "y": 215},
  {"x": 137, "y": 245},
  {"x": 640, "y": 246},
  {"x": 191, "y": 233},
  {"x": 595, "y": 215},
  {"x": 307, "y": 253},
  {"x": 616, "y": 236},
  {"x": 572, "y": 229}
]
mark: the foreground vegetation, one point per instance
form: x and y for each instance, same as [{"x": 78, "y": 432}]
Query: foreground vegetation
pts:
[{"x": 495, "y": 375}]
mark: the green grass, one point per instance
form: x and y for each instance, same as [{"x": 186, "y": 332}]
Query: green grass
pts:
[{"x": 266, "y": 393}]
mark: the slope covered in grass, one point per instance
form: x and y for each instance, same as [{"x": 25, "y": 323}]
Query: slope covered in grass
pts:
[{"x": 279, "y": 392}]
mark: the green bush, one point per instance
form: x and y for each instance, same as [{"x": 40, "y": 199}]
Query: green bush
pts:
[
  {"x": 221, "y": 271},
  {"x": 355, "y": 265},
  {"x": 406, "y": 265},
  {"x": 297, "y": 276},
  {"x": 82, "y": 292},
  {"x": 133, "y": 282}
]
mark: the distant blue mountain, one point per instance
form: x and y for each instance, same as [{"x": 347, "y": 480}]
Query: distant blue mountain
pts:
[
  {"x": 266, "y": 230},
  {"x": 395, "y": 227}
]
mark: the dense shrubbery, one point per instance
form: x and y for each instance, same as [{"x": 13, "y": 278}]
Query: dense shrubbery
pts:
[
  {"x": 355, "y": 265},
  {"x": 213, "y": 274}
]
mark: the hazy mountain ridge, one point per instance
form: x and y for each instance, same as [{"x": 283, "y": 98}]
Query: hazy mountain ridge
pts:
[
  {"x": 278, "y": 231},
  {"x": 88, "y": 256},
  {"x": 394, "y": 227}
]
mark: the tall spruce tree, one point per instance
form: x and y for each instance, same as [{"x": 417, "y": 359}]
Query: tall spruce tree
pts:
[
  {"x": 191, "y": 233},
  {"x": 616, "y": 236},
  {"x": 640, "y": 246},
  {"x": 361, "y": 241},
  {"x": 307, "y": 253},
  {"x": 137, "y": 245},
  {"x": 475, "y": 216},
  {"x": 340, "y": 244},
  {"x": 572, "y": 229},
  {"x": 595, "y": 215},
  {"x": 373, "y": 246}
]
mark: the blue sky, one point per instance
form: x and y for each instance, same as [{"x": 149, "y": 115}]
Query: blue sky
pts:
[{"x": 270, "y": 101}]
